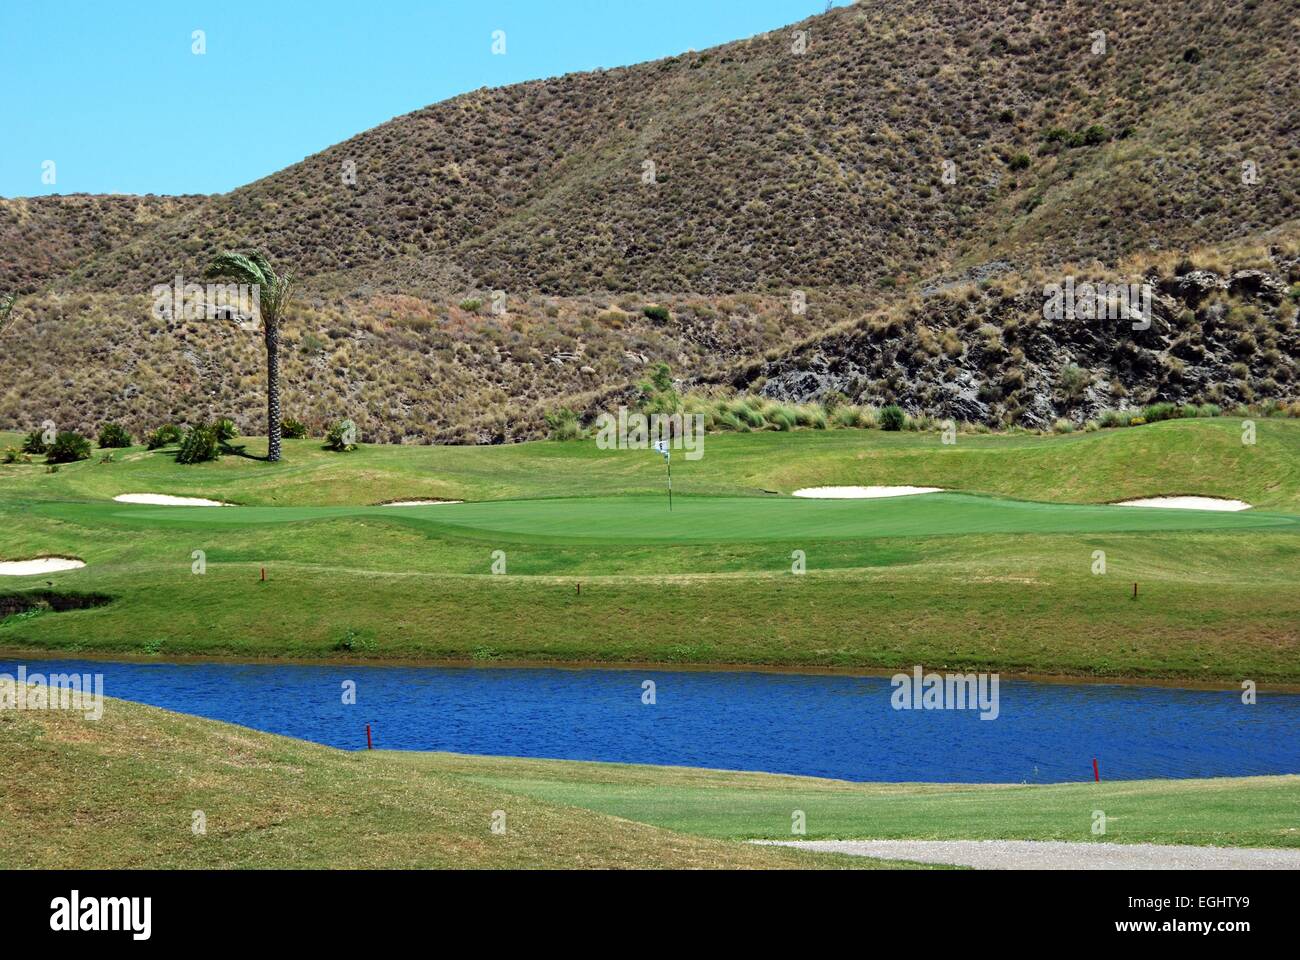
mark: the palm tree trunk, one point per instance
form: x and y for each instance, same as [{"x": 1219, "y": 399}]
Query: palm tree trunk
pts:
[{"x": 273, "y": 394}]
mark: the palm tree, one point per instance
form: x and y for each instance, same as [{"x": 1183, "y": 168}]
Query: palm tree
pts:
[{"x": 273, "y": 292}]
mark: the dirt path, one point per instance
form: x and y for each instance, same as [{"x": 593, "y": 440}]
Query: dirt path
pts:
[{"x": 1058, "y": 855}]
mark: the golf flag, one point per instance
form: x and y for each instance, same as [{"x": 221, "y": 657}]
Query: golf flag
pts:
[{"x": 661, "y": 448}]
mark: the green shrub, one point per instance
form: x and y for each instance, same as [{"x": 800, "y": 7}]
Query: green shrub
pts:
[
  {"x": 1062, "y": 426},
  {"x": 783, "y": 418},
  {"x": 659, "y": 314},
  {"x": 342, "y": 437},
  {"x": 1095, "y": 134},
  {"x": 847, "y": 417},
  {"x": 114, "y": 435},
  {"x": 199, "y": 445},
  {"x": 562, "y": 424},
  {"x": 1161, "y": 411},
  {"x": 472, "y": 305},
  {"x": 892, "y": 418},
  {"x": 292, "y": 429},
  {"x": 34, "y": 442},
  {"x": 1073, "y": 380},
  {"x": 1114, "y": 418},
  {"x": 1019, "y": 161},
  {"x": 748, "y": 415},
  {"x": 226, "y": 430},
  {"x": 726, "y": 420},
  {"x": 15, "y": 455},
  {"x": 68, "y": 447},
  {"x": 164, "y": 436},
  {"x": 811, "y": 415}
]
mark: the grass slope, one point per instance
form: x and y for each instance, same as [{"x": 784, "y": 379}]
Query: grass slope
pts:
[
  {"x": 122, "y": 792},
  {"x": 946, "y": 580}
]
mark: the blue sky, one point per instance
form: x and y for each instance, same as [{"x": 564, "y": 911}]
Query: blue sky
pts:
[{"x": 111, "y": 92}]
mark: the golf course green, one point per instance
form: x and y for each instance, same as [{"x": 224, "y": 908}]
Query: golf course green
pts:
[{"x": 560, "y": 550}]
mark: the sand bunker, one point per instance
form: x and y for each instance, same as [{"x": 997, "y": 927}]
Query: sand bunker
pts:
[
  {"x": 862, "y": 493},
  {"x": 27, "y": 568},
  {"x": 1187, "y": 503},
  {"x": 163, "y": 500},
  {"x": 417, "y": 503}
]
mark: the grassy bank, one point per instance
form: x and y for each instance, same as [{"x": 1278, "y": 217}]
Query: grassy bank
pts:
[
  {"x": 122, "y": 792},
  {"x": 946, "y": 580}
]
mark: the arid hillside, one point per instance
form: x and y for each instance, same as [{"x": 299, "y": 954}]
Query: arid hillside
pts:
[{"x": 859, "y": 158}]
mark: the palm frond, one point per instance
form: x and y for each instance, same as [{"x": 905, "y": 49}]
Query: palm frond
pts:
[
  {"x": 253, "y": 268},
  {"x": 241, "y": 267}
]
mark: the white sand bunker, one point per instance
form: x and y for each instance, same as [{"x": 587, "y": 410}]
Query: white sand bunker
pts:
[
  {"x": 1188, "y": 503},
  {"x": 862, "y": 493},
  {"x": 418, "y": 503},
  {"x": 28, "y": 568},
  {"x": 163, "y": 500}
]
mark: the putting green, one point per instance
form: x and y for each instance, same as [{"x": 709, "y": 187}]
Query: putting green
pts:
[{"x": 638, "y": 519}]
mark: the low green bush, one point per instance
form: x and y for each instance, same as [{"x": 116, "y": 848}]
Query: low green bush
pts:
[
  {"x": 164, "y": 436},
  {"x": 1156, "y": 412},
  {"x": 292, "y": 429},
  {"x": 892, "y": 418},
  {"x": 562, "y": 424},
  {"x": 226, "y": 430},
  {"x": 342, "y": 437},
  {"x": 199, "y": 445},
  {"x": 35, "y": 443},
  {"x": 68, "y": 447},
  {"x": 114, "y": 436}
]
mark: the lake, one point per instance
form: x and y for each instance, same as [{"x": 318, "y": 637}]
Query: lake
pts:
[{"x": 825, "y": 726}]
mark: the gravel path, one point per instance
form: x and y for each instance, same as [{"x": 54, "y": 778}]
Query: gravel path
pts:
[{"x": 1057, "y": 854}]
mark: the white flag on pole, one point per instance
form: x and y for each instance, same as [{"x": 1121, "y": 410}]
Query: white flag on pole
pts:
[{"x": 661, "y": 448}]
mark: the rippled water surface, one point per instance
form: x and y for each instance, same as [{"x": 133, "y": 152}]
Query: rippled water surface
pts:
[{"x": 827, "y": 726}]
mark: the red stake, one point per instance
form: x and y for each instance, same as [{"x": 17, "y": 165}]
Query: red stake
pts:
[
  {"x": 1096, "y": 774},
  {"x": 264, "y": 574},
  {"x": 371, "y": 746},
  {"x": 1135, "y": 591}
]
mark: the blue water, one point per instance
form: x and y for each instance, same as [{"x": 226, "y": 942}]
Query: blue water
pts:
[{"x": 826, "y": 726}]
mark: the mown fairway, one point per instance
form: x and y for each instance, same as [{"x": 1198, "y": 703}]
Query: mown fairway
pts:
[
  {"x": 1245, "y": 811},
  {"x": 967, "y": 578}
]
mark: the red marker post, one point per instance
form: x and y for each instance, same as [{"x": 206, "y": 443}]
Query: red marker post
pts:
[
  {"x": 1096, "y": 773},
  {"x": 370, "y": 745}
]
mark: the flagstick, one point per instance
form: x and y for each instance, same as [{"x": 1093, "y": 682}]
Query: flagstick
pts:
[{"x": 670, "y": 486}]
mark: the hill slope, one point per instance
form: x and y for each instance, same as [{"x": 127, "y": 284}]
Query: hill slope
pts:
[
  {"x": 777, "y": 169},
  {"x": 910, "y": 140}
]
